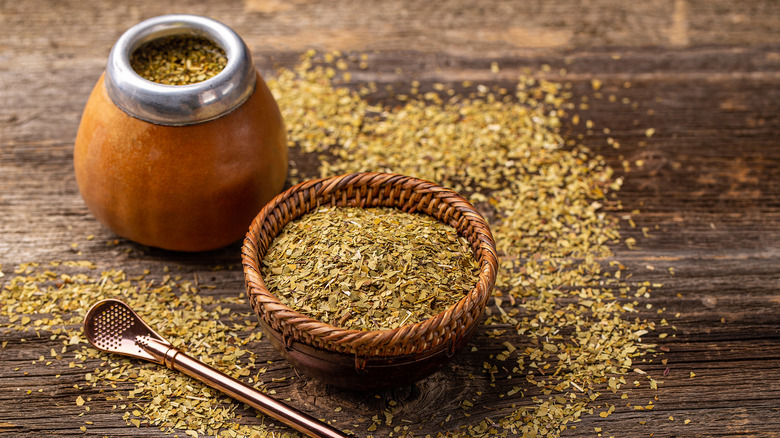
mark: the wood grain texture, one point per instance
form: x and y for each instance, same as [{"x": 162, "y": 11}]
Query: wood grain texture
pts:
[{"x": 704, "y": 74}]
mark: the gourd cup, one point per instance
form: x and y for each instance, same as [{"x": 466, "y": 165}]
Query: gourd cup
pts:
[{"x": 180, "y": 167}]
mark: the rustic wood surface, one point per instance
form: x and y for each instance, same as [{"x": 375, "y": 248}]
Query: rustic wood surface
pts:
[{"x": 709, "y": 189}]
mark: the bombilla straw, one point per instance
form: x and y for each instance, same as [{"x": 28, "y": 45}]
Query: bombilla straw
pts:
[{"x": 112, "y": 326}]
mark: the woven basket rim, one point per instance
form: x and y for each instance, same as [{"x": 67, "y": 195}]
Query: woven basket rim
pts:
[{"x": 438, "y": 331}]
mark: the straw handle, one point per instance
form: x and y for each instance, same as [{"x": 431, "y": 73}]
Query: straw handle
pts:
[{"x": 176, "y": 360}]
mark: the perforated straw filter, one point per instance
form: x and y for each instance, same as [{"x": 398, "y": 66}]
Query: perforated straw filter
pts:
[{"x": 112, "y": 326}]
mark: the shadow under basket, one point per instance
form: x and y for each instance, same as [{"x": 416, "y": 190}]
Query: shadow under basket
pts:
[{"x": 364, "y": 360}]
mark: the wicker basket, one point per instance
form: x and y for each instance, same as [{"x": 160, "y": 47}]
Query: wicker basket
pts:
[{"x": 369, "y": 359}]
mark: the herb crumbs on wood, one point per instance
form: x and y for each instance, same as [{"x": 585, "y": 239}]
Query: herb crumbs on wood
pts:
[
  {"x": 547, "y": 198},
  {"x": 570, "y": 317},
  {"x": 55, "y": 296},
  {"x": 369, "y": 269}
]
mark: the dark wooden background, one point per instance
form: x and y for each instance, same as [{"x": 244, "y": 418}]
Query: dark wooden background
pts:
[{"x": 708, "y": 69}]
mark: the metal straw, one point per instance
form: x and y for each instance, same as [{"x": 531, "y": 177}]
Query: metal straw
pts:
[{"x": 112, "y": 326}]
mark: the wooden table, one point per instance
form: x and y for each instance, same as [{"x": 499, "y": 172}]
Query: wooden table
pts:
[{"x": 709, "y": 190}]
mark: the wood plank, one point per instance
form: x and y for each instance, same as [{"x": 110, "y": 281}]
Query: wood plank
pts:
[{"x": 705, "y": 75}]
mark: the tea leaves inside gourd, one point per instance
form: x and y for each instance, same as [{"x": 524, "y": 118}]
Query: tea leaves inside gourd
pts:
[{"x": 178, "y": 60}]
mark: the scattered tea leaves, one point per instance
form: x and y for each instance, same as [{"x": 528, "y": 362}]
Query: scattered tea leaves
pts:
[
  {"x": 203, "y": 326},
  {"x": 546, "y": 198},
  {"x": 559, "y": 291}
]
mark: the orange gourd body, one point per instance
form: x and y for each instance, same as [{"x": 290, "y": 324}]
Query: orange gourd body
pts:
[{"x": 187, "y": 188}]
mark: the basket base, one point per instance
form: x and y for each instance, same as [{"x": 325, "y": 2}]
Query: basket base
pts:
[{"x": 348, "y": 372}]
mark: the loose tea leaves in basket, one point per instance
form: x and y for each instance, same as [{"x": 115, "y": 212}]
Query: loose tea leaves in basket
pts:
[
  {"x": 369, "y": 269},
  {"x": 178, "y": 60}
]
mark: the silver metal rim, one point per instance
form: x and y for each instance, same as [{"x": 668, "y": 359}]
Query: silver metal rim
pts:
[{"x": 180, "y": 104}]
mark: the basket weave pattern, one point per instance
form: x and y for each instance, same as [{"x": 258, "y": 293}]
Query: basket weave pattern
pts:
[{"x": 370, "y": 190}]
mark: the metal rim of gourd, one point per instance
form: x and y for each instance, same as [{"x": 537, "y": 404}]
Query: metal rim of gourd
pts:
[{"x": 180, "y": 104}]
